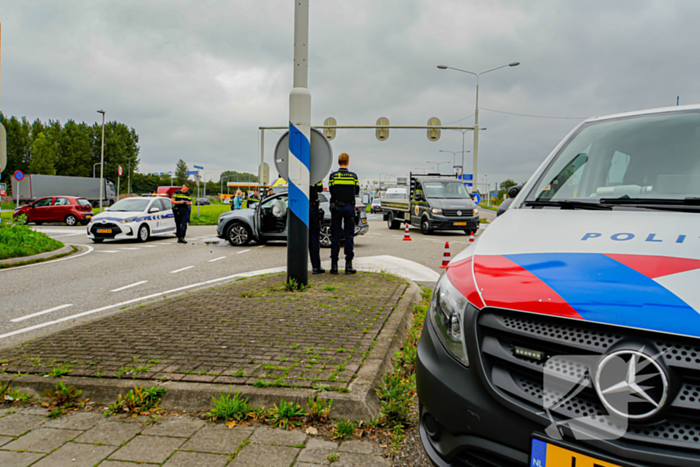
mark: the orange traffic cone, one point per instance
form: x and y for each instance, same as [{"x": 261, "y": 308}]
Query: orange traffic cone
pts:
[
  {"x": 471, "y": 238},
  {"x": 446, "y": 256},
  {"x": 406, "y": 236}
]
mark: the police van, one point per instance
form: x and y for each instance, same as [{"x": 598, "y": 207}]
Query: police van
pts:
[{"x": 569, "y": 333}]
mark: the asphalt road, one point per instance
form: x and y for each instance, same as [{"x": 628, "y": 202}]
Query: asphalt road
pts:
[{"x": 105, "y": 278}]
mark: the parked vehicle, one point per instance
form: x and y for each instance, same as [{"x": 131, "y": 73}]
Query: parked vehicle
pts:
[
  {"x": 376, "y": 205},
  {"x": 133, "y": 218},
  {"x": 268, "y": 221},
  {"x": 68, "y": 209},
  {"x": 569, "y": 333},
  {"x": 167, "y": 190},
  {"x": 202, "y": 202},
  {"x": 434, "y": 202},
  {"x": 33, "y": 187}
]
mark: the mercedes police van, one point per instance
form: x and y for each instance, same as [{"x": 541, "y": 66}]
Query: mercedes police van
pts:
[{"x": 569, "y": 333}]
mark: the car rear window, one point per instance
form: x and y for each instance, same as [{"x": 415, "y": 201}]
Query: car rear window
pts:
[{"x": 83, "y": 202}]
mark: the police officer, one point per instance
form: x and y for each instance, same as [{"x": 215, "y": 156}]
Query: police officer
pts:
[
  {"x": 181, "y": 209},
  {"x": 343, "y": 186},
  {"x": 315, "y": 218},
  {"x": 254, "y": 198}
]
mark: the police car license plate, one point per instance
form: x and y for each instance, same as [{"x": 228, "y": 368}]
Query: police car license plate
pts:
[
  {"x": 546, "y": 454},
  {"x": 460, "y": 223},
  {"x": 104, "y": 230}
]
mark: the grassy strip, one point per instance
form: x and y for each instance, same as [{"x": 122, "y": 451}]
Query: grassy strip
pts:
[
  {"x": 7, "y": 206},
  {"x": 33, "y": 261},
  {"x": 19, "y": 240},
  {"x": 208, "y": 215},
  {"x": 490, "y": 208}
]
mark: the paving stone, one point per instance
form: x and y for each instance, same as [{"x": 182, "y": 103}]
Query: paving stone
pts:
[
  {"x": 296, "y": 464},
  {"x": 315, "y": 456},
  {"x": 262, "y": 455},
  {"x": 18, "y": 459},
  {"x": 112, "y": 433},
  {"x": 76, "y": 455},
  {"x": 318, "y": 443},
  {"x": 5, "y": 439},
  {"x": 118, "y": 464},
  {"x": 76, "y": 421},
  {"x": 217, "y": 438},
  {"x": 42, "y": 440},
  {"x": 277, "y": 436},
  {"x": 148, "y": 449},
  {"x": 360, "y": 447},
  {"x": 16, "y": 424},
  {"x": 196, "y": 459},
  {"x": 181, "y": 427},
  {"x": 353, "y": 459},
  {"x": 33, "y": 410}
]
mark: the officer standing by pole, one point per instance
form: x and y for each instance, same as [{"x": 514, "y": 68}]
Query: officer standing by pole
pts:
[
  {"x": 315, "y": 218},
  {"x": 181, "y": 209},
  {"x": 343, "y": 186}
]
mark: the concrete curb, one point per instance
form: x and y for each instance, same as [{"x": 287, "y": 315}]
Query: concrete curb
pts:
[
  {"x": 361, "y": 403},
  {"x": 46, "y": 256}
]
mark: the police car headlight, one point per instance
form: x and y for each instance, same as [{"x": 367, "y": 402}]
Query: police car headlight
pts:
[
  {"x": 447, "y": 315},
  {"x": 436, "y": 211},
  {"x": 128, "y": 220}
]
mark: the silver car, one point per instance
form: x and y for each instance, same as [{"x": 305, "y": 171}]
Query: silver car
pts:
[{"x": 267, "y": 220}]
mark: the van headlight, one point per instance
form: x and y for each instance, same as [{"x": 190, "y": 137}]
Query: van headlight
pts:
[
  {"x": 129, "y": 219},
  {"x": 447, "y": 316},
  {"x": 436, "y": 211},
  {"x": 476, "y": 212}
]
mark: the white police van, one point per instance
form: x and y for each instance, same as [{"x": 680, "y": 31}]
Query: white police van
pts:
[
  {"x": 133, "y": 218},
  {"x": 569, "y": 333}
]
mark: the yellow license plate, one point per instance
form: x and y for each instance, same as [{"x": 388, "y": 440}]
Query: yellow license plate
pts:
[
  {"x": 364, "y": 221},
  {"x": 104, "y": 230},
  {"x": 460, "y": 223},
  {"x": 550, "y": 455}
]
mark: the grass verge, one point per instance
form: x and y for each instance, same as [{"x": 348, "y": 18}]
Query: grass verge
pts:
[
  {"x": 19, "y": 240},
  {"x": 33, "y": 261}
]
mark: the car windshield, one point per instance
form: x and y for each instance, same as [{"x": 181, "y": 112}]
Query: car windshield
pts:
[
  {"x": 445, "y": 190},
  {"x": 634, "y": 158},
  {"x": 131, "y": 204}
]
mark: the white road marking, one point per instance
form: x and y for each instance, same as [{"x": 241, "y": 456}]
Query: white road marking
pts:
[
  {"x": 149, "y": 246},
  {"x": 71, "y": 235},
  {"x": 244, "y": 251},
  {"x": 47, "y": 231},
  {"x": 217, "y": 259},
  {"x": 261, "y": 246},
  {"x": 41, "y": 313},
  {"x": 90, "y": 250},
  {"x": 107, "y": 251},
  {"x": 130, "y": 248},
  {"x": 129, "y": 286},
  {"x": 180, "y": 270}
]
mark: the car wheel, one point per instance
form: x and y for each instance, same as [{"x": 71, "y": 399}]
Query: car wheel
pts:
[
  {"x": 22, "y": 218},
  {"x": 325, "y": 239},
  {"x": 391, "y": 223},
  {"x": 38, "y": 223},
  {"x": 425, "y": 226},
  {"x": 238, "y": 234},
  {"x": 143, "y": 233},
  {"x": 71, "y": 220},
  {"x": 98, "y": 240}
]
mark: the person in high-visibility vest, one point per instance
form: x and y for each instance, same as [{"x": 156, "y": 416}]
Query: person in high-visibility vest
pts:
[
  {"x": 343, "y": 186},
  {"x": 181, "y": 209}
]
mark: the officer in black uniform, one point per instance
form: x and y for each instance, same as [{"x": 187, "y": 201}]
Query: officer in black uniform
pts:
[
  {"x": 254, "y": 198},
  {"x": 343, "y": 186},
  {"x": 181, "y": 209},
  {"x": 315, "y": 219}
]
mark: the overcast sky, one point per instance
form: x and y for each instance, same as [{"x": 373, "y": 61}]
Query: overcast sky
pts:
[{"x": 197, "y": 78}]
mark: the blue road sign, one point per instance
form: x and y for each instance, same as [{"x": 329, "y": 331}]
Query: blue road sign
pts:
[
  {"x": 19, "y": 175},
  {"x": 198, "y": 167},
  {"x": 477, "y": 198},
  {"x": 193, "y": 172},
  {"x": 468, "y": 184}
]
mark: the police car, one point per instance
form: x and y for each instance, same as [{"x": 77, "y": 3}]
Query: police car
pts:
[
  {"x": 569, "y": 333},
  {"x": 133, "y": 218}
]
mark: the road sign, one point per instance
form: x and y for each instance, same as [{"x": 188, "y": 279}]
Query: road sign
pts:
[
  {"x": 382, "y": 133},
  {"x": 198, "y": 167},
  {"x": 3, "y": 148},
  {"x": 321, "y": 156},
  {"x": 3, "y": 193},
  {"x": 329, "y": 132},
  {"x": 192, "y": 172},
  {"x": 434, "y": 133},
  {"x": 468, "y": 184},
  {"x": 265, "y": 171},
  {"x": 477, "y": 198},
  {"x": 120, "y": 171},
  {"x": 467, "y": 177},
  {"x": 19, "y": 175}
]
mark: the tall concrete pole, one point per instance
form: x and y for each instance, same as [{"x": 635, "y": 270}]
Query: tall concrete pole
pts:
[
  {"x": 102, "y": 160},
  {"x": 299, "y": 151},
  {"x": 475, "y": 186}
]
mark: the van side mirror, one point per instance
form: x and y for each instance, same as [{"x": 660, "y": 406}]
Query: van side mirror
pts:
[
  {"x": 514, "y": 190},
  {"x": 504, "y": 206}
]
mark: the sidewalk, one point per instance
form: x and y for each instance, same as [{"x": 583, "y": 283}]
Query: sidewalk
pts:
[{"x": 88, "y": 439}]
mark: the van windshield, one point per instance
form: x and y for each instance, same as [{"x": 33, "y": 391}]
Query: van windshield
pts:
[
  {"x": 648, "y": 157},
  {"x": 445, "y": 190}
]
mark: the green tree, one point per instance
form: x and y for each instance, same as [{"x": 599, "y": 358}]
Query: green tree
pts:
[
  {"x": 180, "y": 172},
  {"x": 507, "y": 184},
  {"x": 44, "y": 153}
]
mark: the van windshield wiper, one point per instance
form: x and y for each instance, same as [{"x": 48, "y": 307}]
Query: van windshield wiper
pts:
[{"x": 568, "y": 204}]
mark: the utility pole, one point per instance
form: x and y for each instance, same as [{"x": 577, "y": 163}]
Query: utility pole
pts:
[
  {"x": 102, "y": 159},
  {"x": 299, "y": 151}
]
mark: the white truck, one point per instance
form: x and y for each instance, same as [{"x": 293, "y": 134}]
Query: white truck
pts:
[
  {"x": 33, "y": 187},
  {"x": 434, "y": 202}
]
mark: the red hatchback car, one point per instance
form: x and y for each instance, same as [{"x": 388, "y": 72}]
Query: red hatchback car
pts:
[{"x": 68, "y": 209}]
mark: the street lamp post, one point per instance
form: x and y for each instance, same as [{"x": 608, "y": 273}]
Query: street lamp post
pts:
[
  {"x": 93, "y": 168},
  {"x": 476, "y": 112},
  {"x": 454, "y": 155},
  {"x": 102, "y": 159},
  {"x": 438, "y": 164}
]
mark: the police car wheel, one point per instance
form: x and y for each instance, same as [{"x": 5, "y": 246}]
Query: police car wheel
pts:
[
  {"x": 71, "y": 220},
  {"x": 238, "y": 235},
  {"x": 325, "y": 239},
  {"x": 143, "y": 233}
]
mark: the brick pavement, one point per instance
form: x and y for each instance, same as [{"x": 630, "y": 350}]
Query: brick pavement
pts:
[
  {"x": 85, "y": 439},
  {"x": 248, "y": 332}
]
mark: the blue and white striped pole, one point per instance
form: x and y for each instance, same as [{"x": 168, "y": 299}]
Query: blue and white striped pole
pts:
[{"x": 299, "y": 151}]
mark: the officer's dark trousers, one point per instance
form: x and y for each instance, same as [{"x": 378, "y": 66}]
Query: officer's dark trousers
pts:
[
  {"x": 346, "y": 216},
  {"x": 182, "y": 217},
  {"x": 314, "y": 238}
]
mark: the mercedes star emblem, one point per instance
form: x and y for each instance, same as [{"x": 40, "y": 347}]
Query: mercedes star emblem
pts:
[{"x": 631, "y": 384}]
